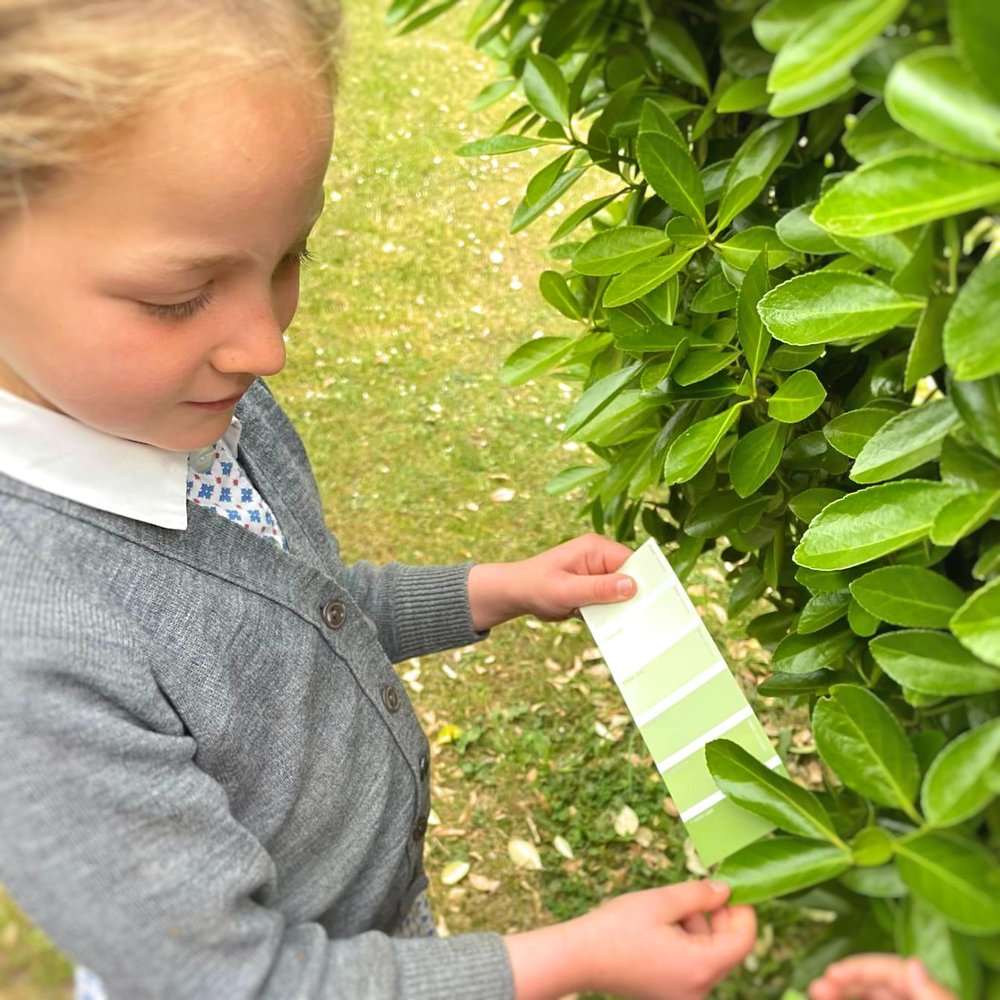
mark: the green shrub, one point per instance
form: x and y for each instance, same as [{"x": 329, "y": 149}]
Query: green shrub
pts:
[{"x": 787, "y": 291}]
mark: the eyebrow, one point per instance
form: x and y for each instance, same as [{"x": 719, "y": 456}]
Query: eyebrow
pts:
[{"x": 196, "y": 262}]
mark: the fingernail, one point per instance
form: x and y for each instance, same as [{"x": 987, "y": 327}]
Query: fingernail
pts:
[
  {"x": 625, "y": 586},
  {"x": 718, "y": 886}
]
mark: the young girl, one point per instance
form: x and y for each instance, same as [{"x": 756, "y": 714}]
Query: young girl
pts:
[{"x": 212, "y": 784}]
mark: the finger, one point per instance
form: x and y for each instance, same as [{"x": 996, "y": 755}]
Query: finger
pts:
[
  {"x": 578, "y": 591},
  {"x": 600, "y": 554},
  {"x": 734, "y": 930},
  {"x": 868, "y": 974},
  {"x": 697, "y": 923},
  {"x": 676, "y": 902},
  {"x": 920, "y": 986}
]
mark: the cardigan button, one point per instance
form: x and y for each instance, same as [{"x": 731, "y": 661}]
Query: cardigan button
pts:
[
  {"x": 334, "y": 614},
  {"x": 420, "y": 828},
  {"x": 424, "y": 766},
  {"x": 391, "y": 699}
]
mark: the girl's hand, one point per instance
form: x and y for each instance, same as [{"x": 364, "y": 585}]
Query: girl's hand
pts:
[
  {"x": 552, "y": 585},
  {"x": 877, "y": 977},
  {"x": 672, "y": 943}
]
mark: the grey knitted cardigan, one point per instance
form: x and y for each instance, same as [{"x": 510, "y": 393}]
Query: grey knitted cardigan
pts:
[{"x": 212, "y": 784}]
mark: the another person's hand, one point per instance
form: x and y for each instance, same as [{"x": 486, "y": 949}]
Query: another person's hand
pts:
[
  {"x": 552, "y": 585},
  {"x": 878, "y": 977},
  {"x": 672, "y": 943}
]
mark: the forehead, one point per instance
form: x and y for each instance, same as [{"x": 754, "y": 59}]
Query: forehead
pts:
[{"x": 245, "y": 158}]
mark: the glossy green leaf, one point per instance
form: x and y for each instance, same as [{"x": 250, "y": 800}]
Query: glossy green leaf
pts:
[
  {"x": 955, "y": 787},
  {"x": 908, "y": 595},
  {"x": 671, "y": 44},
  {"x": 699, "y": 365},
  {"x": 871, "y": 847},
  {"x": 933, "y": 95},
  {"x": 778, "y": 20},
  {"x": 972, "y": 330},
  {"x": 871, "y": 523},
  {"x": 825, "y": 306},
  {"x": 861, "y": 621},
  {"x": 758, "y": 789},
  {"x": 643, "y": 278},
  {"x": 754, "y": 338},
  {"x": 905, "y": 442},
  {"x": 616, "y": 250},
  {"x": 743, "y": 248},
  {"x": 904, "y": 190},
  {"x": 964, "y": 515},
  {"x": 933, "y": 663},
  {"x": 834, "y": 37},
  {"x": 979, "y": 404},
  {"x": 789, "y": 358},
  {"x": 975, "y": 25},
  {"x": 753, "y": 165},
  {"x": 530, "y": 209},
  {"x": 807, "y": 504},
  {"x": 781, "y": 865},
  {"x": 864, "y": 743},
  {"x": 883, "y": 882},
  {"x": 558, "y": 294},
  {"x": 743, "y": 95},
  {"x": 534, "y": 358},
  {"x": 800, "y": 396},
  {"x": 822, "y": 610},
  {"x": 697, "y": 444},
  {"x": 756, "y": 456},
  {"x": 546, "y": 88},
  {"x": 798, "y": 231},
  {"x": 851, "y": 431},
  {"x": 715, "y": 295},
  {"x": 671, "y": 173},
  {"x": 813, "y": 92},
  {"x": 965, "y": 464},
  {"x": 977, "y": 623},
  {"x": 573, "y": 478},
  {"x": 957, "y": 876},
  {"x": 802, "y": 654},
  {"x": 584, "y": 212},
  {"x": 875, "y": 135},
  {"x": 597, "y": 396},
  {"x": 926, "y": 352},
  {"x": 498, "y": 145}
]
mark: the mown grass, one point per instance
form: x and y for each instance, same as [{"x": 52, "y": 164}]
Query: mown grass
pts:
[{"x": 422, "y": 454}]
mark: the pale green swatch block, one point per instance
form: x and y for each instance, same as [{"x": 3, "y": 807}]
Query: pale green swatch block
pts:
[{"x": 682, "y": 695}]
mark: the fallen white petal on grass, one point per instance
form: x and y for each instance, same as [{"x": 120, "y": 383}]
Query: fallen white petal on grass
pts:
[
  {"x": 562, "y": 845},
  {"x": 483, "y": 884},
  {"x": 691, "y": 860},
  {"x": 454, "y": 872},
  {"x": 503, "y": 495},
  {"x": 626, "y": 823},
  {"x": 524, "y": 854}
]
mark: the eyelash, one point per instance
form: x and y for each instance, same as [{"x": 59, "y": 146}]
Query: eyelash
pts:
[{"x": 183, "y": 310}]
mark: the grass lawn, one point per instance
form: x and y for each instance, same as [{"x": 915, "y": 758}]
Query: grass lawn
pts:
[{"x": 417, "y": 294}]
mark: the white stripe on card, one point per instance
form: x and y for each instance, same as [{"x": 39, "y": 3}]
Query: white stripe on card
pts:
[
  {"x": 695, "y": 745},
  {"x": 638, "y": 651},
  {"x": 699, "y": 807},
  {"x": 681, "y": 693}
]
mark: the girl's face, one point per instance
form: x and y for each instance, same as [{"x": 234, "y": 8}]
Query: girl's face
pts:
[{"x": 146, "y": 293}]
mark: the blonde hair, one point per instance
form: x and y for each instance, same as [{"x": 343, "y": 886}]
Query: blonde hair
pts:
[{"x": 74, "y": 73}]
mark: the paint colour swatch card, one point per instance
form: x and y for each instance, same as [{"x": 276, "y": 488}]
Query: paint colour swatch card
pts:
[{"x": 681, "y": 695}]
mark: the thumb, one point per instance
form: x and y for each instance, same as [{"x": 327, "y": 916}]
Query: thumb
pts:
[
  {"x": 688, "y": 898},
  {"x": 608, "y": 588}
]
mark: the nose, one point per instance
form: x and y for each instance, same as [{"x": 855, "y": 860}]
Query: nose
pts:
[{"x": 255, "y": 345}]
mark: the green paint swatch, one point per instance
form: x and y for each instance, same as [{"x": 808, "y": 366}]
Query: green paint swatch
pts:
[{"x": 681, "y": 695}]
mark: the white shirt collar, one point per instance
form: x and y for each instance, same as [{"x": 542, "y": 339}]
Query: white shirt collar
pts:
[{"x": 60, "y": 455}]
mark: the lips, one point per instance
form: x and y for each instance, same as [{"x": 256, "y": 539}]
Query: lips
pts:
[{"x": 217, "y": 404}]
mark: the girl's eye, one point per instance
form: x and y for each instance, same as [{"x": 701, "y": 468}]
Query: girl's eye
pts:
[
  {"x": 179, "y": 310},
  {"x": 302, "y": 257}
]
